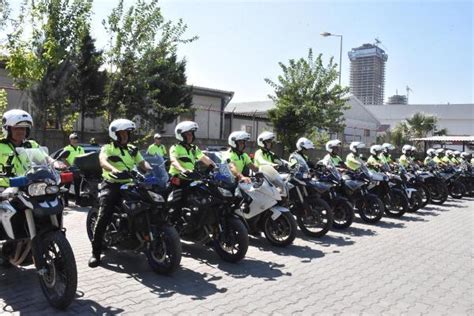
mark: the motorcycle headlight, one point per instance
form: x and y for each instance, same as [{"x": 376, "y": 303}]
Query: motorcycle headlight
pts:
[
  {"x": 225, "y": 192},
  {"x": 156, "y": 197},
  {"x": 37, "y": 189},
  {"x": 52, "y": 189}
]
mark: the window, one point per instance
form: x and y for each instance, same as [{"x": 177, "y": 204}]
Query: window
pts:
[
  {"x": 247, "y": 128},
  {"x": 367, "y": 132}
]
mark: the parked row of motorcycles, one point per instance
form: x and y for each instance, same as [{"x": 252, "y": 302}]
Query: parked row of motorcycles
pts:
[{"x": 208, "y": 207}]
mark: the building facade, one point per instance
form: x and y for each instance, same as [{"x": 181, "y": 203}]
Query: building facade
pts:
[
  {"x": 458, "y": 119},
  {"x": 252, "y": 117},
  {"x": 367, "y": 79}
]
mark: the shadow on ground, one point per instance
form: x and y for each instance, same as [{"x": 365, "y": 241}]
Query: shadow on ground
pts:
[
  {"x": 20, "y": 292},
  {"x": 184, "y": 281},
  {"x": 307, "y": 254}
]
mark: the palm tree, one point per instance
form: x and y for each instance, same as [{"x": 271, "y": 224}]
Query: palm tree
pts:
[{"x": 420, "y": 125}]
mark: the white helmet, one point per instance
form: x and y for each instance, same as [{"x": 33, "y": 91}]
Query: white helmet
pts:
[
  {"x": 413, "y": 148},
  {"x": 331, "y": 144},
  {"x": 236, "y": 136},
  {"x": 304, "y": 143},
  {"x": 17, "y": 118},
  {"x": 457, "y": 153},
  {"x": 465, "y": 155},
  {"x": 183, "y": 127},
  {"x": 449, "y": 152},
  {"x": 376, "y": 149},
  {"x": 120, "y": 125},
  {"x": 356, "y": 145},
  {"x": 406, "y": 149},
  {"x": 431, "y": 152},
  {"x": 73, "y": 136},
  {"x": 387, "y": 146},
  {"x": 264, "y": 137},
  {"x": 439, "y": 151},
  {"x": 157, "y": 136}
]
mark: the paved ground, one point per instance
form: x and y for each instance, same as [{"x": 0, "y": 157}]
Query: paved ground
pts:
[{"x": 420, "y": 264}]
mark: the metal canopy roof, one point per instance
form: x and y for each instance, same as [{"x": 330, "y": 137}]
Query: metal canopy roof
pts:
[{"x": 447, "y": 139}]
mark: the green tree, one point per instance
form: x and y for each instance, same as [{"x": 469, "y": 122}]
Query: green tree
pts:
[
  {"x": 420, "y": 125},
  {"x": 144, "y": 74},
  {"x": 3, "y": 101},
  {"x": 307, "y": 98},
  {"x": 43, "y": 62},
  {"x": 88, "y": 82}
]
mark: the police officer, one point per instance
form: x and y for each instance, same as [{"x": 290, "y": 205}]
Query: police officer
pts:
[
  {"x": 332, "y": 147},
  {"x": 405, "y": 159},
  {"x": 119, "y": 131},
  {"x": 374, "y": 161},
  {"x": 157, "y": 148},
  {"x": 385, "y": 156},
  {"x": 352, "y": 159},
  {"x": 70, "y": 152},
  {"x": 184, "y": 155},
  {"x": 430, "y": 154},
  {"x": 16, "y": 127},
  {"x": 264, "y": 155},
  {"x": 236, "y": 157},
  {"x": 303, "y": 145}
]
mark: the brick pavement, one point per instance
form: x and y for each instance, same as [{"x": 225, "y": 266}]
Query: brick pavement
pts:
[{"x": 419, "y": 264}]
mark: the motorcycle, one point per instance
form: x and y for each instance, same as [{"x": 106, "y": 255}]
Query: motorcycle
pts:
[
  {"x": 262, "y": 207},
  {"x": 390, "y": 189},
  {"x": 342, "y": 208},
  {"x": 32, "y": 231},
  {"x": 415, "y": 199},
  {"x": 201, "y": 209},
  {"x": 452, "y": 177},
  {"x": 435, "y": 184},
  {"x": 140, "y": 222},
  {"x": 355, "y": 188},
  {"x": 313, "y": 214}
]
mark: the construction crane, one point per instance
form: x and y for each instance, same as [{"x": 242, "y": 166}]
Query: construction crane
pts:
[{"x": 379, "y": 42}]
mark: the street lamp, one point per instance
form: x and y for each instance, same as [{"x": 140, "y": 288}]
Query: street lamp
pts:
[{"x": 326, "y": 34}]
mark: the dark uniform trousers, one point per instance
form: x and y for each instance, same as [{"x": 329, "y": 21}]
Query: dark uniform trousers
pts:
[{"x": 109, "y": 197}]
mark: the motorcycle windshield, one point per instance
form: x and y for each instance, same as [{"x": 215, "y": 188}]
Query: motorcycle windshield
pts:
[
  {"x": 365, "y": 170},
  {"x": 36, "y": 163},
  {"x": 333, "y": 170},
  {"x": 224, "y": 174},
  {"x": 159, "y": 170},
  {"x": 272, "y": 176},
  {"x": 300, "y": 165}
]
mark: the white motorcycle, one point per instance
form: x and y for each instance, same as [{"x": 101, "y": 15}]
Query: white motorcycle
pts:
[
  {"x": 261, "y": 210},
  {"x": 31, "y": 230}
]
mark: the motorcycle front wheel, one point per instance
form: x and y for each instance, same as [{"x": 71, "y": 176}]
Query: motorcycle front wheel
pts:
[
  {"x": 457, "y": 190},
  {"x": 233, "y": 242},
  {"x": 316, "y": 219},
  {"x": 59, "y": 278},
  {"x": 280, "y": 232},
  {"x": 396, "y": 204},
  {"x": 343, "y": 213},
  {"x": 416, "y": 202},
  {"x": 164, "y": 252},
  {"x": 372, "y": 209}
]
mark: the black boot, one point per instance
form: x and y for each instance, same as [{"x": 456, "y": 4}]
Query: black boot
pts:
[{"x": 94, "y": 261}]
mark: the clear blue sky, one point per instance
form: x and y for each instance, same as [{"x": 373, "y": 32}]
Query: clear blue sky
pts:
[{"x": 429, "y": 43}]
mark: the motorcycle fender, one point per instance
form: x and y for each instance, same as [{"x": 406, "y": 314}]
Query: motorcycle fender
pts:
[
  {"x": 409, "y": 192},
  {"x": 277, "y": 210},
  {"x": 242, "y": 219},
  {"x": 6, "y": 213}
]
